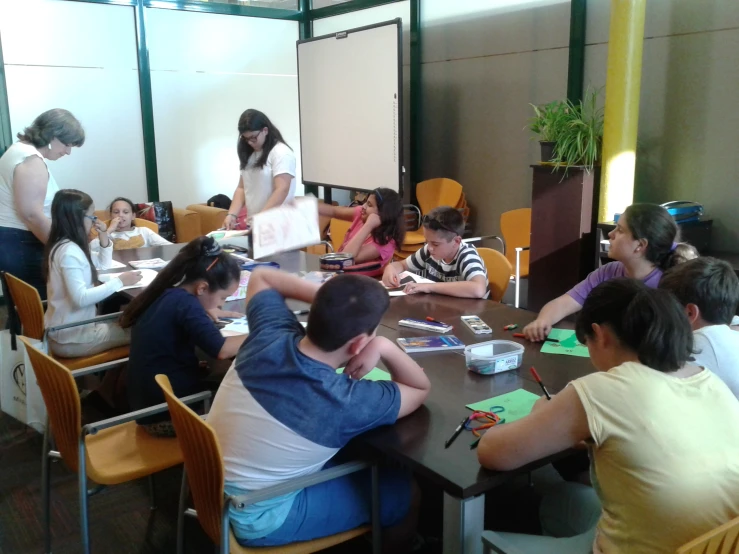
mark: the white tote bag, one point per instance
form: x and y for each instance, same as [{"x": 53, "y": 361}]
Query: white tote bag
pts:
[{"x": 20, "y": 396}]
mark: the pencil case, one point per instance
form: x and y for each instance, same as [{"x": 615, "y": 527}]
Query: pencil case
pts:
[{"x": 493, "y": 356}]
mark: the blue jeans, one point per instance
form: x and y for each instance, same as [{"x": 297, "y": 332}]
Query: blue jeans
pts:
[{"x": 22, "y": 254}]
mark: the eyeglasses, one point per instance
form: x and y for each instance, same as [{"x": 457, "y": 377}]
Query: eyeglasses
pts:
[
  {"x": 92, "y": 218},
  {"x": 251, "y": 138},
  {"x": 436, "y": 225}
]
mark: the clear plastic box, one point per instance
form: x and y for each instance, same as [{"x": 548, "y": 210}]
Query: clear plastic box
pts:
[{"x": 494, "y": 356}]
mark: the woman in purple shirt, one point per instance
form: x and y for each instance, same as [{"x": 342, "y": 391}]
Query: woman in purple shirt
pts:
[{"x": 643, "y": 247}]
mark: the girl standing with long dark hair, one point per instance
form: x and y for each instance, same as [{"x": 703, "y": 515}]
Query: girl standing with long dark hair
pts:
[{"x": 267, "y": 167}]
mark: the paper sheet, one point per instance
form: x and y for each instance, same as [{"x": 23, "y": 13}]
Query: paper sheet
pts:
[
  {"x": 241, "y": 327},
  {"x": 567, "y": 345},
  {"x": 287, "y": 227},
  {"x": 405, "y": 278},
  {"x": 240, "y": 292},
  {"x": 376, "y": 374},
  {"x": 115, "y": 265},
  {"x": 516, "y": 404},
  {"x": 147, "y": 276},
  {"x": 153, "y": 263}
]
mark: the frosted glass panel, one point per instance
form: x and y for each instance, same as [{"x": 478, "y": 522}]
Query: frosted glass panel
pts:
[
  {"x": 83, "y": 58},
  {"x": 206, "y": 70}
]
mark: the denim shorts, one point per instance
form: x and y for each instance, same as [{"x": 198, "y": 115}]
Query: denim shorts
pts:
[{"x": 340, "y": 505}]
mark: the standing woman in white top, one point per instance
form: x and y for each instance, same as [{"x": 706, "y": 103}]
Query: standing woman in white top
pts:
[
  {"x": 267, "y": 166},
  {"x": 72, "y": 273},
  {"x": 27, "y": 188}
]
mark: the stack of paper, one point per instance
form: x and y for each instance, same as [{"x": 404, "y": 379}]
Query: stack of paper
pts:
[
  {"x": 405, "y": 278},
  {"x": 147, "y": 276}
]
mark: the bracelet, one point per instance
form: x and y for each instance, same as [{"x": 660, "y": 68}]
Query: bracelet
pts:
[{"x": 233, "y": 215}]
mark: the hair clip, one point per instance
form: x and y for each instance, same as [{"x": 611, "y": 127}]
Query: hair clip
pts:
[{"x": 214, "y": 262}]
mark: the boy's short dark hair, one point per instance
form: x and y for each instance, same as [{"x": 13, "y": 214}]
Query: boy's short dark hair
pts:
[
  {"x": 708, "y": 283},
  {"x": 445, "y": 219},
  {"x": 345, "y": 307}
]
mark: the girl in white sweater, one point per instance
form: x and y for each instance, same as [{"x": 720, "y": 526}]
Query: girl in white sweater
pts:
[
  {"x": 122, "y": 229},
  {"x": 71, "y": 274}
]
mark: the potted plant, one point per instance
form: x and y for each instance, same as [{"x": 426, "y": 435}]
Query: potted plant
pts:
[{"x": 575, "y": 128}]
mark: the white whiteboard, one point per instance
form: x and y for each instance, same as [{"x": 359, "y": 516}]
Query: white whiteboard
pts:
[{"x": 350, "y": 86}]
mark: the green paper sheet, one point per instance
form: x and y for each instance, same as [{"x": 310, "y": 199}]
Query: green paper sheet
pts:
[
  {"x": 567, "y": 345},
  {"x": 376, "y": 374},
  {"x": 516, "y": 404}
]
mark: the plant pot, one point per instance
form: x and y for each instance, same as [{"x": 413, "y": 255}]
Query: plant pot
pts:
[{"x": 547, "y": 150}]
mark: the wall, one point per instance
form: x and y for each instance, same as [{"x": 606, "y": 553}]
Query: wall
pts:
[
  {"x": 485, "y": 61},
  {"x": 688, "y": 124},
  {"x": 81, "y": 57},
  {"x": 482, "y": 64}
]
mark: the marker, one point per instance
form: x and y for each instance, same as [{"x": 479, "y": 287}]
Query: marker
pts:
[
  {"x": 301, "y": 312},
  {"x": 456, "y": 433},
  {"x": 474, "y": 444},
  {"x": 522, "y": 336},
  {"x": 510, "y": 327},
  {"x": 432, "y": 320},
  {"x": 538, "y": 380}
]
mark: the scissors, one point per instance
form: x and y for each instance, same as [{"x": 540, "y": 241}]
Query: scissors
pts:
[{"x": 490, "y": 419}]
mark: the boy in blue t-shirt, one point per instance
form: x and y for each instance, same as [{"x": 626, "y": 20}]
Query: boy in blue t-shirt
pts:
[{"x": 282, "y": 411}]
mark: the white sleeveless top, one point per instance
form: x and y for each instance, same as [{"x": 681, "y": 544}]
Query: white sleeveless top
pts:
[{"x": 16, "y": 154}]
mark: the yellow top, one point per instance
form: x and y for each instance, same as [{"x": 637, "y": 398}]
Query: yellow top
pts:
[{"x": 665, "y": 459}]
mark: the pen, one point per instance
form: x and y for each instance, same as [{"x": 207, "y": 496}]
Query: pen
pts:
[
  {"x": 522, "y": 336},
  {"x": 538, "y": 380},
  {"x": 301, "y": 312},
  {"x": 456, "y": 433},
  {"x": 474, "y": 444}
]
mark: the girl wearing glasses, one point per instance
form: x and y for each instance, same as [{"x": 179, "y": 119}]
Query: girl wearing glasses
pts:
[
  {"x": 27, "y": 188},
  {"x": 267, "y": 166},
  {"x": 71, "y": 273},
  {"x": 377, "y": 228}
]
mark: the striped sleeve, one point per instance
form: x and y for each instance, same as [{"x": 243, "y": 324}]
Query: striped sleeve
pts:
[
  {"x": 417, "y": 261},
  {"x": 470, "y": 265}
]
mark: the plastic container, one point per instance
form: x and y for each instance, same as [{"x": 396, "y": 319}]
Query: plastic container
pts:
[{"x": 494, "y": 356}]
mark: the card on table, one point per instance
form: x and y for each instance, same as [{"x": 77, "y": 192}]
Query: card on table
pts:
[
  {"x": 568, "y": 344},
  {"x": 515, "y": 405}
]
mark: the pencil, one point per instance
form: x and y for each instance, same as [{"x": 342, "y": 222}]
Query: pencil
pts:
[
  {"x": 522, "y": 336},
  {"x": 538, "y": 380}
]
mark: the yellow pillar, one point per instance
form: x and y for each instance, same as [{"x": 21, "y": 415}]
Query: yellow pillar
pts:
[{"x": 623, "y": 84}]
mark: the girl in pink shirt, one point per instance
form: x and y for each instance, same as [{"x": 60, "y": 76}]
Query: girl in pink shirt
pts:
[{"x": 377, "y": 226}]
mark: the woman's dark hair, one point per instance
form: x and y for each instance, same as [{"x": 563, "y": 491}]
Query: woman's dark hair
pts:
[
  {"x": 392, "y": 219},
  {"x": 199, "y": 260},
  {"x": 54, "y": 124},
  {"x": 654, "y": 223},
  {"x": 254, "y": 120},
  {"x": 68, "y": 211},
  {"x": 122, "y": 199},
  {"x": 650, "y": 322}
]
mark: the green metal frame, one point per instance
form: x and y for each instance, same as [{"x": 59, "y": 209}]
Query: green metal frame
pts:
[
  {"x": 6, "y": 137},
  {"x": 147, "y": 105},
  {"x": 576, "y": 65}
]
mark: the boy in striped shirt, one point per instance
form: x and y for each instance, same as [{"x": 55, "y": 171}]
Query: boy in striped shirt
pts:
[{"x": 455, "y": 267}]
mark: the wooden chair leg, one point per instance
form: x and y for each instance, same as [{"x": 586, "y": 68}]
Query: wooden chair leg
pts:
[{"x": 181, "y": 514}]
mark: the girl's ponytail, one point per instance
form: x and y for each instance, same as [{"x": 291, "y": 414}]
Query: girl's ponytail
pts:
[{"x": 200, "y": 259}]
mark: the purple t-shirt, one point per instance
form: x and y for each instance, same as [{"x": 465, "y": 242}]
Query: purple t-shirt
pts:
[{"x": 612, "y": 270}]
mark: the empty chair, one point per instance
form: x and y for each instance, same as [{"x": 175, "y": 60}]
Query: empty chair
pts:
[
  {"x": 432, "y": 194},
  {"x": 515, "y": 225},
  {"x": 499, "y": 272},
  {"x": 721, "y": 540}
]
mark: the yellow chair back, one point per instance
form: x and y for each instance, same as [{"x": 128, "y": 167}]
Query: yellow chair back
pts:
[
  {"x": 338, "y": 229},
  {"x": 721, "y": 540},
  {"x": 516, "y": 228},
  {"x": 28, "y": 305},
  {"x": 62, "y": 402},
  {"x": 203, "y": 460},
  {"x": 499, "y": 272},
  {"x": 438, "y": 192}
]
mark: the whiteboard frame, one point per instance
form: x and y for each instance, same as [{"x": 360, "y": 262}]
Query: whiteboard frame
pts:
[{"x": 398, "y": 22}]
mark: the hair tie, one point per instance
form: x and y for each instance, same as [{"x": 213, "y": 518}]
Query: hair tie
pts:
[
  {"x": 674, "y": 246},
  {"x": 211, "y": 249}
]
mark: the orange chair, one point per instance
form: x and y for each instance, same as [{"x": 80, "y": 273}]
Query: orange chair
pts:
[
  {"x": 721, "y": 540},
  {"x": 515, "y": 226},
  {"x": 337, "y": 231},
  {"x": 204, "y": 473},
  {"x": 108, "y": 452},
  {"x": 432, "y": 194},
  {"x": 499, "y": 272},
  {"x": 31, "y": 313}
]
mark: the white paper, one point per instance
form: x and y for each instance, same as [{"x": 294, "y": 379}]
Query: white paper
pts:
[
  {"x": 407, "y": 276},
  {"x": 153, "y": 263},
  {"x": 147, "y": 276},
  {"x": 241, "y": 327},
  {"x": 115, "y": 265},
  {"x": 287, "y": 227},
  {"x": 220, "y": 234}
]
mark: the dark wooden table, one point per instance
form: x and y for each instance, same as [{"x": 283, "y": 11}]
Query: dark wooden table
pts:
[{"x": 417, "y": 440}]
